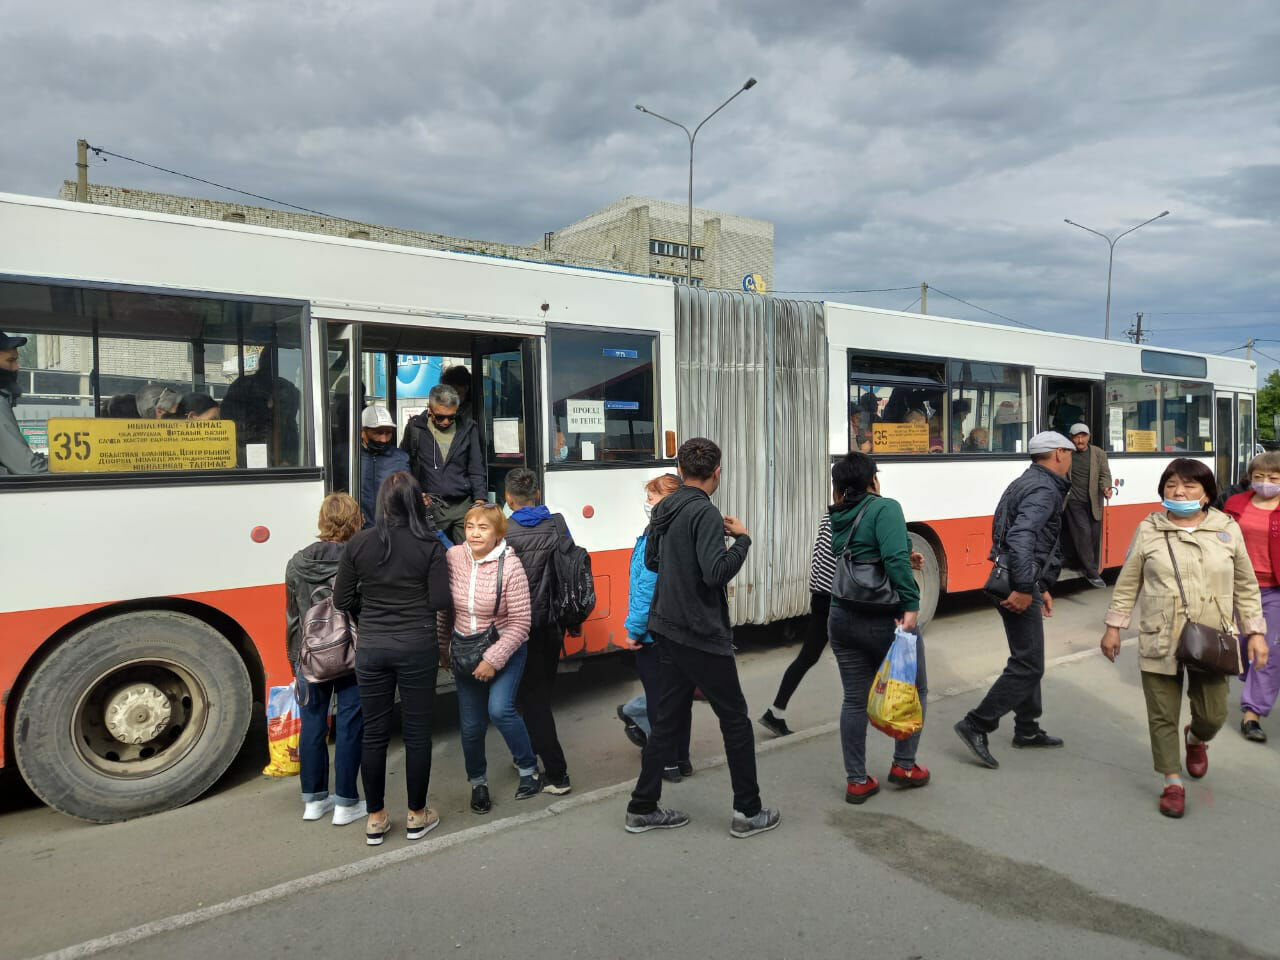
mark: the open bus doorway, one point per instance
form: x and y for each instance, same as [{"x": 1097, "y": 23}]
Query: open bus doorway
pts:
[{"x": 397, "y": 368}]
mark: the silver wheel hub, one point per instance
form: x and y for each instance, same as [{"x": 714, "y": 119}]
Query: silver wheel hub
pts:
[{"x": 137, "y": 713}]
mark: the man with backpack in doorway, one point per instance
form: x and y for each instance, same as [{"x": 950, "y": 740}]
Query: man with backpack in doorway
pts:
[{"x": 561, "y": 596}]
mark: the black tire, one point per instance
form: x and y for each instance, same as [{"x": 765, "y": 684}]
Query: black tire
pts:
[
  {"x": 929, "y": 580},
  {"x": 196, "y": 697}
]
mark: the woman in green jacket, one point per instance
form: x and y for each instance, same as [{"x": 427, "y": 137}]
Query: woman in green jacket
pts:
[{"x": 861, "y": 639}]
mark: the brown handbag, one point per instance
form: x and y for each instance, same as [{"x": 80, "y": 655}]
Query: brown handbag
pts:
[{"x": 1200, "y": 647}]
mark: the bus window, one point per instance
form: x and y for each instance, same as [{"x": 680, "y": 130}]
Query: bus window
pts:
[
  {"x": 896, "y": 404},
  {"x": 602, "y": 396},
  {"x": 989, "y": 407},
  {"x": 121, "y": 381},
  {"x": 1171, "y": 416}
]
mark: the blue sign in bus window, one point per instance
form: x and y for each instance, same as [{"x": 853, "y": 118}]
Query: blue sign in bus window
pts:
[
  {"x": 622, "y": 405},
  {"x": 616, "y": 353}
]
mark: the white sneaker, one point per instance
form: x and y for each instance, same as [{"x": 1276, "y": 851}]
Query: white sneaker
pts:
[
  {"x": 315, "y": 809},
  {"x": 349, "y": 814}
]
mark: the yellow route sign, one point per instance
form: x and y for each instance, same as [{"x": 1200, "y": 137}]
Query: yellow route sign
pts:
[
  {"x": 900, "y": 438},
  {"x": 85, "y": 445},
  {"x": 1140, "y": 441}
]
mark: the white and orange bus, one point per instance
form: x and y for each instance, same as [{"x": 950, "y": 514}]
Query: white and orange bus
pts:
[{"x": 142, "y": 598}]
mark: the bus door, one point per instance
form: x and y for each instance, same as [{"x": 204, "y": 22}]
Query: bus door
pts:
[
  {"x": 505, "y": 405},
  {"x": 1233, "y": 440},
  {"x": 1066, "y": 401},
  {"x": 342, "y": 408}
]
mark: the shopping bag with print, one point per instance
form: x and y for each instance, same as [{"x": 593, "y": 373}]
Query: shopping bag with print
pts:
[
  {"x": 284, "y": 729},
  {"x": 894, "y": 705}
]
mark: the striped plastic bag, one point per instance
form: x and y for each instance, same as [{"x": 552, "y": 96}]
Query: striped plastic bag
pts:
[
  {"x": 284, "y": 730},
  {"x": 894, "y": 705}
]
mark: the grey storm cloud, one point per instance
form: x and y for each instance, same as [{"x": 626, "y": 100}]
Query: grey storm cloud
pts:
[{"x": 890, "y": 141}]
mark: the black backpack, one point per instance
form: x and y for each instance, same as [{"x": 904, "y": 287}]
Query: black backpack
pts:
[{"x": 573, "y": 596}]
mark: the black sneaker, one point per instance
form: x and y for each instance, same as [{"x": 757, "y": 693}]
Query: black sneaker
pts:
[
  {"x": 762, "y": 822},
  {"x": 775, "y": 725},
  {"x": 671, "y": 774},
  {"x": 480, "y": 802},
  {"x": 530, "y": 786},
  {"x": 1037, "y": 739},
  {"x": 1096, "y": 582},
  {"x": 686, "y": 768},
  {"x": 558, "y": 787},
  {"x": 632, "y": 729},
  {"x": 977, "y": 744},
  {"x": 658, "y": 820},
  {"x": 1252, "y": 730}
]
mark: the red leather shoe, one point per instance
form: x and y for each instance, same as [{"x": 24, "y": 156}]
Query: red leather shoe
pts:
[
  {"x": 861, "y": 792},
  {"x": 917, "y": 776},
  {"x": 1173, "y": 802},
  {"x": 1197, "y": 755}
]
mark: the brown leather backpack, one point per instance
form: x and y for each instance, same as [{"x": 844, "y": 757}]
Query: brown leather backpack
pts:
[{"x": 328, "y": 648}]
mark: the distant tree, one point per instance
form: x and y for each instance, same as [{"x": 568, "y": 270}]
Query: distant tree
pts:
[{"x": 1269, "y": 405}]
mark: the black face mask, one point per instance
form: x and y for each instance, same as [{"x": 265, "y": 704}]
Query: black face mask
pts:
[
  {"x": 9, "y": 384},
  {"x": 377, "y": 447}
]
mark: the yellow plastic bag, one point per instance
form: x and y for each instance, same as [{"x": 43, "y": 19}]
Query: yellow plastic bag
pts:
[
  {"x": 284, "y": 730},
  {"x": 894, "y": 704}
]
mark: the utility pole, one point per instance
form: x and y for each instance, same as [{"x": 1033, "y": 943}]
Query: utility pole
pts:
[
  {"x": 924, "y": 298},
  {"x": 82, "y": 171},
  {"x": 1248, "y": 349},
  {"x": 1135, "y": 333}
]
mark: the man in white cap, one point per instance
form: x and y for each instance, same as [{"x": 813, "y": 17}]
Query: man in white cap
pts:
[
  {"x": 1090, "y": 489},
  {"x": 1025, "y": 533},
  {"x": 379, "y": 456}
]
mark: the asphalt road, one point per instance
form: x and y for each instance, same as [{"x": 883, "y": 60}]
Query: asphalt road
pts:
[{"x": 1053, "y": 855}]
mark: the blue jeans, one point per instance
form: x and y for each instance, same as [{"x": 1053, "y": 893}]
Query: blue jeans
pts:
[
  {"x": 313, "y": 747},
  {"x": 478, "y": 703}
]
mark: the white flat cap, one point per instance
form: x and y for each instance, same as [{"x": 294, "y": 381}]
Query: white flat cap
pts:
[
  {"x": 1048, "y": 441},
  {"x": 1078, "y": 428}
]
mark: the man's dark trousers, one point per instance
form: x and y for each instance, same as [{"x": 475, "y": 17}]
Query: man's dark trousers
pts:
[
  {"x": 534, "y": 698},
  {"x": 681, "y": 668},
  {"x": 1018, "y": 688},
  {"x": 1083, "y": 531}
]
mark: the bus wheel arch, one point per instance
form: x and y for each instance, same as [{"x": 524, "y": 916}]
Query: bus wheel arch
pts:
[
  {"x": 932, "y": 580},
  {"x": 134, "y": 709}
]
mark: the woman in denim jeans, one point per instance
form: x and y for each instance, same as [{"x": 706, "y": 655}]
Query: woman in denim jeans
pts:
[
  {"x": 860, "y": 639},
  {"x": 311, "y": 569},
  {"x": 489, "y": 691}
]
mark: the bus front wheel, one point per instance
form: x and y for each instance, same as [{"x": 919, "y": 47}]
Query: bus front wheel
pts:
[
  {"x": 929, "y": 580},
  {"x": 132, "y": 715}
]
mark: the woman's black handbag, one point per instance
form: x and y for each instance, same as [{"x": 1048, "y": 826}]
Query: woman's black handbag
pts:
[
  {"x": 861, "y": 584},
  {"x": 1201, "y": 647},
  {"x": 466, "y": 650}
]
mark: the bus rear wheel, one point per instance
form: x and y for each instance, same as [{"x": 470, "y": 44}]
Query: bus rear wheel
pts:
[
  {"x": 132, "y": 715},
  {"x": 929, "y": 580}
]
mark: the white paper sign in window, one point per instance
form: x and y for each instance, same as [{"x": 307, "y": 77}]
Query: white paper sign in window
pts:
[{"x": 585, "y": 416}]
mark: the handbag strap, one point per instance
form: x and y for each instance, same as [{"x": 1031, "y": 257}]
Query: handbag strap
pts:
[
  {"x": 1177, "y": 575},
  {"x": 497, "y": 599},
  {"x": 857, "y": 520}
]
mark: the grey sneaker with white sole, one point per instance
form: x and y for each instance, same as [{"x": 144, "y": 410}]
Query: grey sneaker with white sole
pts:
[
  {"x": 657, "y": 820},
  {"x": 762, "y": 822}
]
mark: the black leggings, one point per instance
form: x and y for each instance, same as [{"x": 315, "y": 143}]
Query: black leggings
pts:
[{"x": 815, "y": 641}]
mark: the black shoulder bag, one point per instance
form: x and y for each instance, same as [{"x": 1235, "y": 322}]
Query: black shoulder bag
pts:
[
  {"x": 1201, "y": 647},
  {"x": 863, "y": 584},
  {"x": 466, "y": 650}
]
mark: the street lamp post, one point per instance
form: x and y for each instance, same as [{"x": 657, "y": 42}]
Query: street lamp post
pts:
[
  {"x": 751, "y": 82},
  {"x": 1111, "y": 245}
]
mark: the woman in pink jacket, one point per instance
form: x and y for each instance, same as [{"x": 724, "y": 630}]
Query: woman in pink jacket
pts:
[{"x": 485, "y": 639}]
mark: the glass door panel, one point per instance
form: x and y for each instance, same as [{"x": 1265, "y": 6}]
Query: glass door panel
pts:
[{"x": 1224, "y": 441}]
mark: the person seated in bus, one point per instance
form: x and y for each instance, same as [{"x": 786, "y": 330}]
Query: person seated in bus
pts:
[
  {"x": 121, "y": 406},
  {"x": 16, "y": 456},
  {"x": 936, "y": 443},
  {"x": 859, "y": 439},
  {"x": 265, "y": 411},
  {"x": 198, "y": 406},
  {"x": 157, "y": 401},
  {"x": 448, "y": 461},
  {"x": 977, "y": 441}
]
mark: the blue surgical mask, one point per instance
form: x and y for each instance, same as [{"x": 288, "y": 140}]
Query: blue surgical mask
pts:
[
  {"x": 1182, "y": 508},
  {"x": 562, "y": 453}
]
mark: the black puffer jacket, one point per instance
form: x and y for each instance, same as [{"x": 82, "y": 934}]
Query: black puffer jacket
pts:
[
  {"x": 536, "y": 547},
  {"x": 461, "y": 474},
  {"x": 308, "y": 569},
  {"x": 1027, "y": 527}
]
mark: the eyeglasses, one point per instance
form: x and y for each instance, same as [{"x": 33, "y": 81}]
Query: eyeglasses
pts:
[{"x": 443, "y": 419}]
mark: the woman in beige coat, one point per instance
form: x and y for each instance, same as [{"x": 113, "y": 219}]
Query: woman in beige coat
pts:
[{"x": 1221, "y": 591}]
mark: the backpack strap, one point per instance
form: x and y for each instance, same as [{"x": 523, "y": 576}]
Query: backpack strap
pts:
[{"x": 562, "y": 528}]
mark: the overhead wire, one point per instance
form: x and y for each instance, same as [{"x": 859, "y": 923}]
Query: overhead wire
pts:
[
  {"x": 875, "y": 290},
  {"x": 984, "y": 309}
]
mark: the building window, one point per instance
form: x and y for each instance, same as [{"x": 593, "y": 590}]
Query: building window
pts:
[
  {"x": 602, "y": 387},
  {"x": 676, "y": 278},
  {"x": 117, "y": 381},
  {"x": 1149, "y": 415},
  {"x": 665, "y": 248}
]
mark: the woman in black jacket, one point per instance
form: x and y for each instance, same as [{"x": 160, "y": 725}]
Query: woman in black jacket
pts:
[
  {"x": 393, "y": 578},
  {"x": 311, "y": 571}
]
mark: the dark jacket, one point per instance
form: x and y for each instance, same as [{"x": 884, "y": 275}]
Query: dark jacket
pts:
[
  {"x": 686, "y": 549},
  {"x": 882, "y": 536},
  {"x": 16, "y": 457},
  {"x": 374, "y": 468},
  {"x": 1027, "y": 526},
  {"x": 394, "y": 603},
  {"x": 311, "y": 567},
  {"x": 460, "y": 475},
  {"x": 532, "y": 534}
]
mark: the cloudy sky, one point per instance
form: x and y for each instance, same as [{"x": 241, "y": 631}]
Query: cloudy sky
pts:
[{"x": 890, "y": 141}]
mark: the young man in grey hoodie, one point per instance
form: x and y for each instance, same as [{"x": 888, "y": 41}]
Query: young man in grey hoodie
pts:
[{"x": 689, "y": 621}]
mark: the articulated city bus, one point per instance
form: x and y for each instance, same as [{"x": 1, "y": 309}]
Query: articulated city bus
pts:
[{"x": 142, "y": 597}]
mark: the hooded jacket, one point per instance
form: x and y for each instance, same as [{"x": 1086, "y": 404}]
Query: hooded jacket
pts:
[
  {"x": 16, "y": 457},
  {"x": 532, "y": 534},
  {"x": 686, "y": 549},
  {"x": 640, "y": 593},
  {"x": 459, "y": 475},
  {"x": 308, "y": 569},
  {"x": 1217, "y": 575},
  {"x": 1027, "y": 527}
]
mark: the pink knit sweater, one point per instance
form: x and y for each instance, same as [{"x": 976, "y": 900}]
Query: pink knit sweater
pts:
[{"x": 473, "y": 584}]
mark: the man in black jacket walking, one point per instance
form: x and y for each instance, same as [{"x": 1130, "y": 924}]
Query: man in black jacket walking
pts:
[
  {"x": 689, "y": 620},
  {"x": 1025, "y": 530},
  {"x": 447, "y": 459}
]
